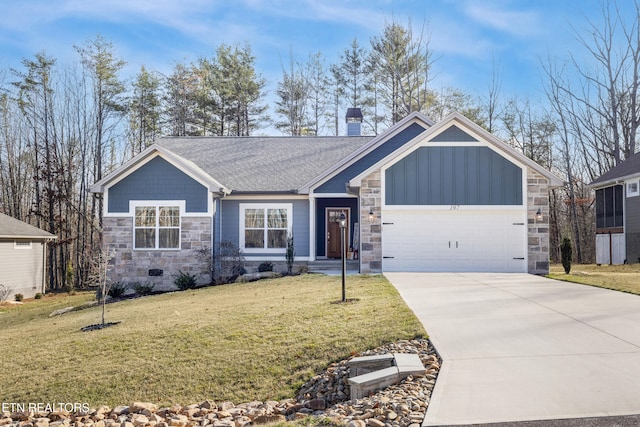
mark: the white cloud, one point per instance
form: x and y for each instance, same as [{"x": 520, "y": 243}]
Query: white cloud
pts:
[{"x": 520, "y": 23}]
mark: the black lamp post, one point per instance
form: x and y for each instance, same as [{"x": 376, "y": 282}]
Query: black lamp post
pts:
[{"x": 343, "y": 232}]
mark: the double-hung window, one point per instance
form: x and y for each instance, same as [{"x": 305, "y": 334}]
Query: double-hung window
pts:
[
  {"x": 265, "y": 227},
  {"x": 157, "y": 227}
]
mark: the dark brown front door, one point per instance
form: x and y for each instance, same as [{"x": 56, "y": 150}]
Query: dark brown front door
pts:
[{"x": 333, "y": 232}]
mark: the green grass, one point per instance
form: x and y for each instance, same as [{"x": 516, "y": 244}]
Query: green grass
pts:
[
  {"x": 238, "y": 342},
  {"x": 625, "y": 278}
]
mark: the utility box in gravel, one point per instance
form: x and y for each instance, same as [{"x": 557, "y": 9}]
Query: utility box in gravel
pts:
[
  {"x": 381, "y": 372},
  {"x": 362, "y": 385},
  {"x": 408, "y": 364},
  {"x": 365, "y": 364}
]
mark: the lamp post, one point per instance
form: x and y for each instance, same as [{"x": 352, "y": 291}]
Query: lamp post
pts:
[{"x": 343, "y": 232}]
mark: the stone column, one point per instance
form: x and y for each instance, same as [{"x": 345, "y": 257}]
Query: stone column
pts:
[
  {"x": 538, "y": 229},
  {"x": 370, "y": 231}
]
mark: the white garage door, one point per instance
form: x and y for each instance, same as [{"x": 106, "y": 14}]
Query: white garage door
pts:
[{"x": 454, "y": 240}]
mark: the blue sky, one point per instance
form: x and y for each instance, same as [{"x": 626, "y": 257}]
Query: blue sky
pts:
[{"x": 467, "y": 36}]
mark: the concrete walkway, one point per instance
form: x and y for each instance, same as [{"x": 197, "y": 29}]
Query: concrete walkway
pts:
[{"x": 520, "y": 347}]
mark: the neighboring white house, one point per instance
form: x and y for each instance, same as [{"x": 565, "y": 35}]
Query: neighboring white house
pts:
[{"x": 22, "y": 257}]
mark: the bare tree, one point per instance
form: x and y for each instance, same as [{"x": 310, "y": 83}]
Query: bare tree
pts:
[
  {"x": 402, "y": 62},
  {"x": 608, "y": 97},
  {"x": 293, "y": 99},
  {"x": 108, "y": 104}
]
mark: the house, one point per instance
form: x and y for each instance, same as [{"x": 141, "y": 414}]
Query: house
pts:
[
  {"x": 23, "y": 252},
  {"x": 422, "y": 196},
  {"x": 618, "y": 213}
]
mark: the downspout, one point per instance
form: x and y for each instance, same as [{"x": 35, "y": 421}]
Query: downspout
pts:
[
  {"x": 216, "y": 239},
  {"x": 44, "y": 266}
]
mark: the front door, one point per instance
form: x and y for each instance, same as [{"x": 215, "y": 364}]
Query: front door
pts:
[{"x": 333, "y": 231}]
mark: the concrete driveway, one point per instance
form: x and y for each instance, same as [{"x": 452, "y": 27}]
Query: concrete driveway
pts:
[{"x": 520, "y": 347}]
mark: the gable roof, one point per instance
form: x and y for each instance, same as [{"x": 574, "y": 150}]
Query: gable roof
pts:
[
  {"x": 182, "y": 163},
  {"x": 627, "y": 169},
  {"x": 456, "y": 123},
  {"x": 290, "y": 164},
  {"x": 264, "y": 164},
  {"x": 12, "y": 228},
  {"x": 368, "y": 147}
]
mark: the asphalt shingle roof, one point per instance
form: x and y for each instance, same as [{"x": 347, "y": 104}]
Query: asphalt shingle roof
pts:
[
  {"x": 631, "y": 166},
  {"x": 264, "y": 164},
  {"x": 11, "y": 227}
]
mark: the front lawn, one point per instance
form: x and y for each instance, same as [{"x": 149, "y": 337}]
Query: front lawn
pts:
[
  {"x": 624, "y": 278},
  {"x": 237, "y": 342}
]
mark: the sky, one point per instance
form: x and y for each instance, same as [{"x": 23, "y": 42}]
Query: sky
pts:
[{"x": 472, "y": 40}]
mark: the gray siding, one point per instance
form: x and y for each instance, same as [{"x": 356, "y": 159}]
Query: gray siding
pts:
[
  {"x": 632, "y": 229},
  {"x": 454, "y": 134},
  {"x": 453, "y": 176},
  {"x": 337, "y": 184},
  {"x": 632, "y": 214},
  {"x": 158, "y": 180},
  {"x": 21, "y": 269},
  {"x": 230, "y": 226}
]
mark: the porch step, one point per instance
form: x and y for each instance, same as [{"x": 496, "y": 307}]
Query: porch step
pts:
[{"x": 332, "y": 264}]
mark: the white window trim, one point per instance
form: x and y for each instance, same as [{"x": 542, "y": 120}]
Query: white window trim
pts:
[
  {"x": 133, "y": 204},
  {"x": 244, "y": 207},
  {"x": 20, "y": 244},
  {"x": 631, "y": 193}
]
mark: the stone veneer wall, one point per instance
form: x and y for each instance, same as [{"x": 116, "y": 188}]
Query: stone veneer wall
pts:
[
  {"x": 370, "y": 232},
  {"x": 129, "y": 266},
  {"x": 538, "y": 242}
]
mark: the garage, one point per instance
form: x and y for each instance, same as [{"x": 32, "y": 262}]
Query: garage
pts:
[
  {"x": 454, "y": 208},
  {"x": 468, "y": 240}
]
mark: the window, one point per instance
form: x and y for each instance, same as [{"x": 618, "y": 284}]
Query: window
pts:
[
  {"x": 609, "y": 207},
  {"x": 157, "y": 227},
  {"x": 264, "y": 228},
  {"x": 632, "y": 189},
  {"x": 22, "y": 244}
]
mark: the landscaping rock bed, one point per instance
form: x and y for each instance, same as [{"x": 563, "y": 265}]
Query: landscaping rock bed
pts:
[{"x": 324, "y": 396}]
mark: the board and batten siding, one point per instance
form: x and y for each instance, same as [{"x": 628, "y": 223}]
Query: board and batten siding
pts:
[
  {"x": 453, "y": 134},
  {"x": 21, "y": 270},
  {"x": 337, "y": 184},
  {"x": 229, "y": 226},
  {"x": 459, "y": 175},
  {"x": 158, "y": 180}
]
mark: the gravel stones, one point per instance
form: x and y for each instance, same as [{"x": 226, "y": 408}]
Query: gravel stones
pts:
[{"x": 324, "y": 396}]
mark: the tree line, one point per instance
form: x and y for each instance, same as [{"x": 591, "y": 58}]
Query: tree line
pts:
[{"x": 65, "y": 127}]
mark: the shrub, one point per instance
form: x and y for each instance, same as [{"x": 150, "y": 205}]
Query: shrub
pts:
[
  {"x": 290, "y": 254},
  {"x": 38, "y": 296},
  {"x": 184, "y": 281},
  {"x": 566, "y": 253},
  {"x": 18, "y": 297},
  {"x": 117, "y": 290},
  {"x": 143, "y": 289},
  {"x": 69, "y": 278},
  {"x": 4, "y": 292},
  {"x": 265, "y": 266},
  {"x": 227, "y": 263}
]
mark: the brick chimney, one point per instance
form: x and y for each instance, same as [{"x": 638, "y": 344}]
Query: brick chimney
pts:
[{"x": 354, "y": 121}]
